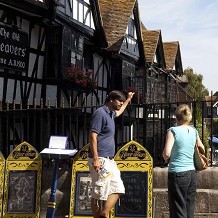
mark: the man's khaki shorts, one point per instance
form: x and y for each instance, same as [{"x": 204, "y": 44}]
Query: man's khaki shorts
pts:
[{"x": 103, "y": 187}]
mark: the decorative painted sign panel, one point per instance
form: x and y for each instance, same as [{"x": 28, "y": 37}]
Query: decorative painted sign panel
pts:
[
  {"x": 22, "y": 191},
  {"x": 2, "y": 178}
]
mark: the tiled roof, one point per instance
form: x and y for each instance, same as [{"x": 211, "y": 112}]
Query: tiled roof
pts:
[
  {"x": 170, "y": 52},
  {"x": 115, "y": 15},
  {"x": 150, "y": 41},
  {"x": 143, "y": 26}
]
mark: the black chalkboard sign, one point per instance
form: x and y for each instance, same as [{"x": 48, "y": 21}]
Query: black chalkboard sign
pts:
[
  {"x": 22, "y": 191},
  {"x": 134, "y": 202}
]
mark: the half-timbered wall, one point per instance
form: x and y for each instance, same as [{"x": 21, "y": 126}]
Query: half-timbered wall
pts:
[
  {"x": 16, "y": 84},
  {"x": 78, "y": 10},
  {"x": 128, "y": 72},
  {"x": 54, "y": 43},
  {"x": 130, "y": 43}
]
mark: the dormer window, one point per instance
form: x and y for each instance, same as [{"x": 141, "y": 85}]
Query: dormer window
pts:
[
  {"x": 128, "y": 70},
  {"x": 80, "y": 10},
  {"x": 131, "y": 28},
  {"x": 76, "y": 50}
]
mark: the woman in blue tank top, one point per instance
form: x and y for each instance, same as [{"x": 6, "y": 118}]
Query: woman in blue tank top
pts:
[{"x": 178, "y": 152}]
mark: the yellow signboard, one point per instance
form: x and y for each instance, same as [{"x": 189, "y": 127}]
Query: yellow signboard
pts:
[
  {"x": 22, "y": 183},
  {"x": 80, "y": 201},
  {"x": 136, "y": 166},
  {"x": 2, "y": 173}
]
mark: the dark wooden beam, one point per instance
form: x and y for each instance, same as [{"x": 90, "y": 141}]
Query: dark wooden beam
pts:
[{"x": 30, "y": 7}]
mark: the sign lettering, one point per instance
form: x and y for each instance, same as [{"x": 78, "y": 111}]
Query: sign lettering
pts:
[
  {"x": 134, "y": 202},
  {"x": 133, "y": 152},
  {"x": 13, "y": 49},
  {"x": 24, "y": 152}
]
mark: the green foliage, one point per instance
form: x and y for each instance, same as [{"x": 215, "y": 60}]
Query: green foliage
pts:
[
  {"x": 196, "y": 88},
  {"x": 205, "y": 138}
]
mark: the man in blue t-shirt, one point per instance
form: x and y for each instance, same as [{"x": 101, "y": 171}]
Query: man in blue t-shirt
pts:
[{"x": 107, "y": 185}]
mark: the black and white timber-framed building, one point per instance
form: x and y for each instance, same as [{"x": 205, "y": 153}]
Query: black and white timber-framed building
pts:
[{"x": 41, "y": 39}]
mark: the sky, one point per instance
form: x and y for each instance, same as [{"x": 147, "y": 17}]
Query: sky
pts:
[{"x": 194, "y": 23}]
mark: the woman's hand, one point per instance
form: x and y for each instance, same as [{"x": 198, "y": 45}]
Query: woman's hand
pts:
[{"x": 200, "y": 145}]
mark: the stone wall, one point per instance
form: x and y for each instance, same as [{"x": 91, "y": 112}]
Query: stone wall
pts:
[
  {"x": 62, "y": 193},
  {"x": 206, "y": 201}
]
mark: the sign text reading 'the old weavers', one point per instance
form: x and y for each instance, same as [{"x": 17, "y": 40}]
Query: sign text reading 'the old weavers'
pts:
[{"x": 13, "y": 48}]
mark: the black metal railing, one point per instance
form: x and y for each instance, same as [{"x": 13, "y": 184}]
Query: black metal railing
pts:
[{"x": 144, "y": 123}]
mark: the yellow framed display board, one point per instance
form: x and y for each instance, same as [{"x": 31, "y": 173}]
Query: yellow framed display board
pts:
[
  {"x": 80, "y": 201},
  {"x": 2, "y": 173},
  {"x": 136, "y": 166},
  {"x": 23, "y": 170}
]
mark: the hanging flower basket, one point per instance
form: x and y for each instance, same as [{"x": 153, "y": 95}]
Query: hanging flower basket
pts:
[{"x": 80, "y": 79}]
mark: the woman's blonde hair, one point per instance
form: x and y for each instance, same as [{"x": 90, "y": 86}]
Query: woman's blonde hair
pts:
[{"x": 183, "y": 113}]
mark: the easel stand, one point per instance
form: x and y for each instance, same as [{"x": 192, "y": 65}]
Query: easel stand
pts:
[
  {"x": 52, "y": 201},
  {"x": 55, "y": 155}
]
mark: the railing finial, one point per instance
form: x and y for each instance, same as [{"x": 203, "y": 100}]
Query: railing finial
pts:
[
  {"x": 63, "y": 102},
  {"x": 48, "y": 102},
  {"x": 21, "y": 105},
  {"x": 14, "y": 107},
  {"x": 70, "y": 102},
  {"x": 41, "y": 103}
]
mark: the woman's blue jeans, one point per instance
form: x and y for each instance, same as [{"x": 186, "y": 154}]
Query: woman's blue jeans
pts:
[{"x": 181, "y": 194}]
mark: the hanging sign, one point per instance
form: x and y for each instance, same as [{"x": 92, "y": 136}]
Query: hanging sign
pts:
[{"x": 13, "y": 48}]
